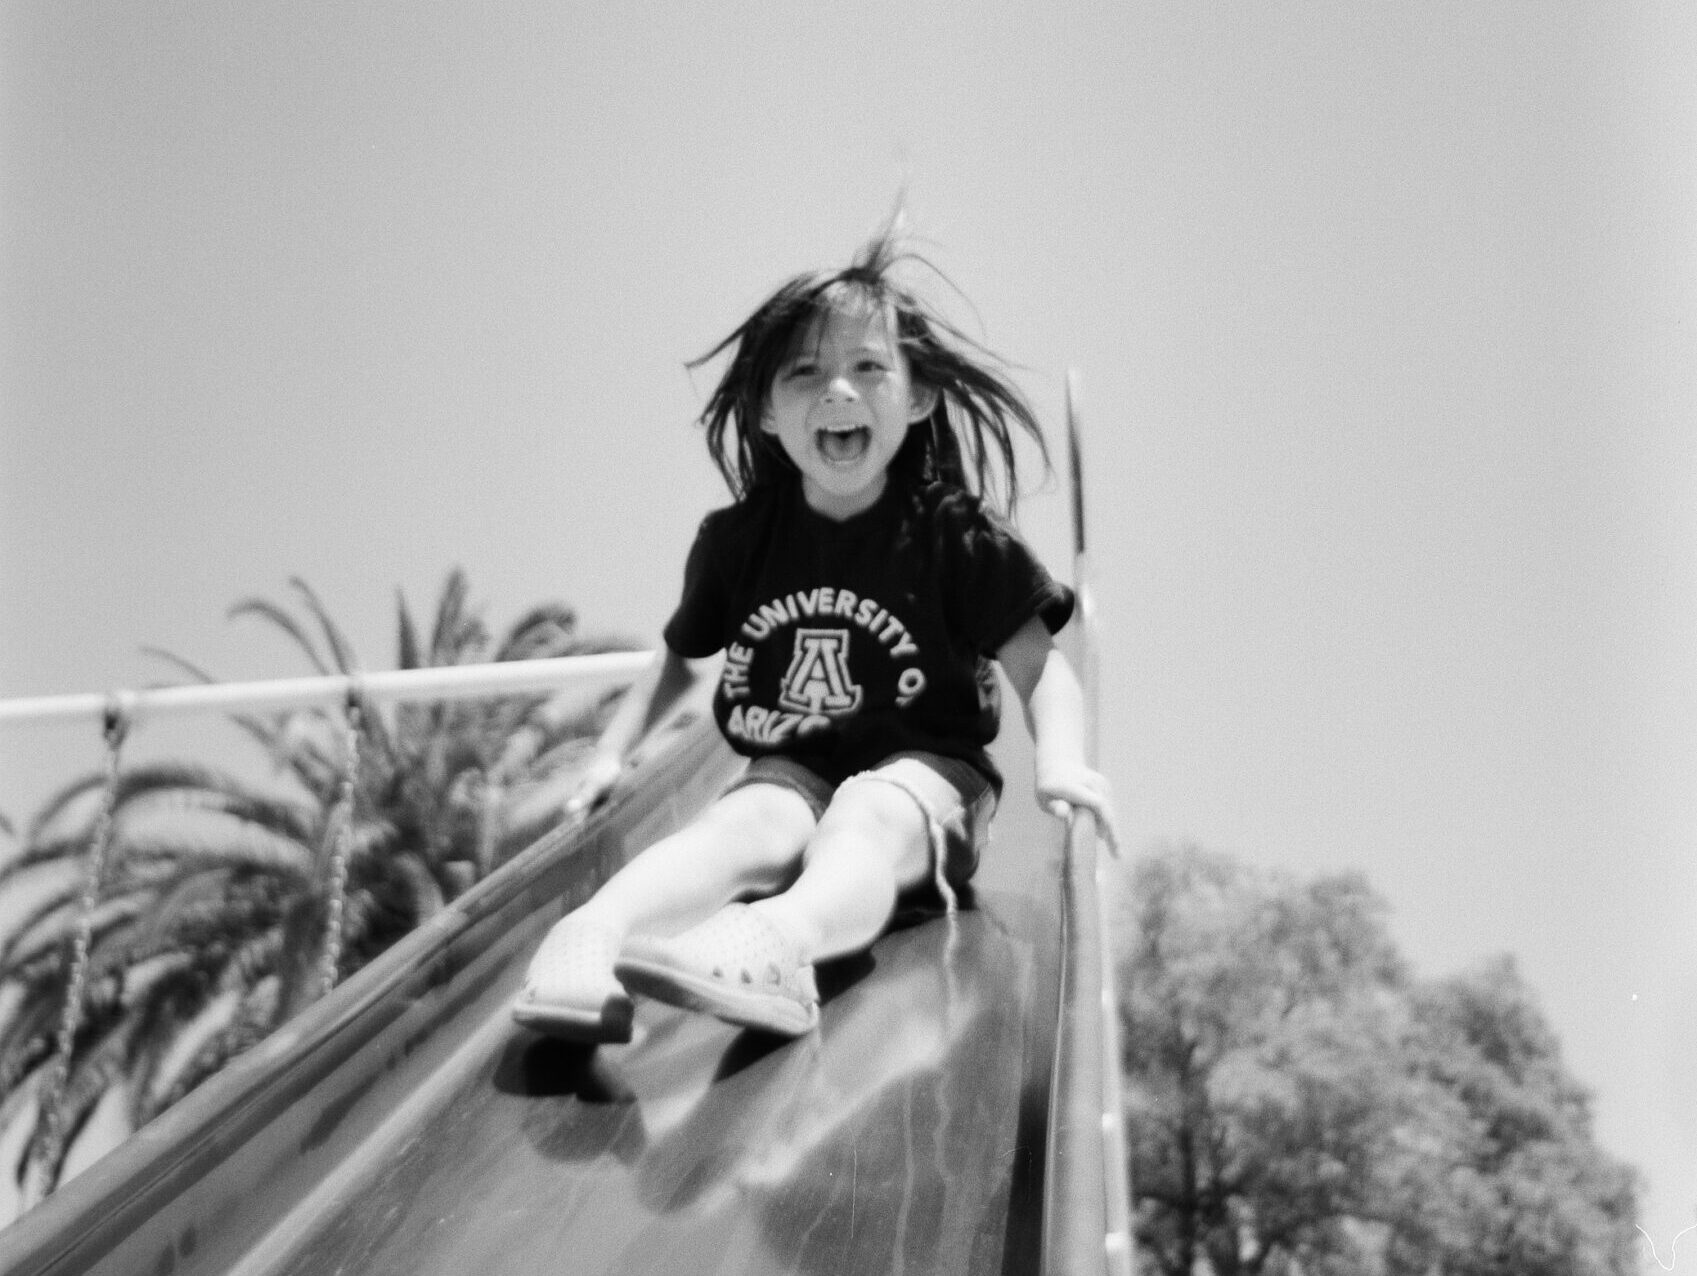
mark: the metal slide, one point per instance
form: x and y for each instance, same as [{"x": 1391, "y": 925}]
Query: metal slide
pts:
[{"x": 404, "y": 1124}]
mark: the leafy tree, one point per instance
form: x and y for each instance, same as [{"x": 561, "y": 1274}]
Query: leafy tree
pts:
[
  {"x": 225, "y": 908},
  {"x": 1529, "y": 1191},
  {"x": 1298, "y": 1103}
]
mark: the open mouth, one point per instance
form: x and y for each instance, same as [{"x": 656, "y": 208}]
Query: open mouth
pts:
[{"x": 845, "y": 445}]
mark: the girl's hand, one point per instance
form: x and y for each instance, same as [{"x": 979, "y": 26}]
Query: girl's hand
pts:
[
  {"x": 1054, "y": 710},
  {"x": 597, "y": 781},
  {"x": 1079, "y": 786}
]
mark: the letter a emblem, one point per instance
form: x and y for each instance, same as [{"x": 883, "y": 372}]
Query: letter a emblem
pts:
[{"x": 818, "y": 682}]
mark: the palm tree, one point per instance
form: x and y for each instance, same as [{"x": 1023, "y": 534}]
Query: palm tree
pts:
[{"x": 224, "y": 909}]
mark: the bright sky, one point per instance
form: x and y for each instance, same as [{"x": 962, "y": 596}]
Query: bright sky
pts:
[{"x": 1385, "y": 316}]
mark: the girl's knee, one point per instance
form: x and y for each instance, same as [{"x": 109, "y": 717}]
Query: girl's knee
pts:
[
  {"x": 880, "y": 823},
  {"x": 762, "y": 827}
]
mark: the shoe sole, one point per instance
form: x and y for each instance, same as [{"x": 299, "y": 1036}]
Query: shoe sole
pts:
[
  {"x": 610, "y": 1026},
  {"x": 768, "y": 1012}
]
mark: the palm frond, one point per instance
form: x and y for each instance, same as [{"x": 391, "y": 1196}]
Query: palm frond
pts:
[
  {"x": 602, "y": 643},
  {"x": 195, "y": 930},
  {"x": 147, "y": 972},
  {"x": 161, "y": 1011},
  {"x": 62, "y": 897},
  {"x": 415, "y": 725},
  {"x": 170, "y": 657},
  {"x": 217, "y": 839},
  {"x": 370, "y": 844},
  {"x": 459, "y": 634},
  {"x": 378, "y": 747},
  {"x": 248, "y": 1022},
  {"x": 268, "y": 610},
  {"x": 64, "y": 853},
  {"x": 450, "y": 610},
  {"x": 340, "y": 649},
  {"x": 177, "y": 1059},
  {"x": 19, "y": 1112},
  {"x": 96, "y": 1072},
  {"x": 11, "y": 1001},
  {"x": 548, "y": 630},
  {"x": 56, "y": 929},
  {"x": 268, "y": 733},
  {"x": 426, "y": 897},
  {"x": 10, "y": 1091},
  {"x": 14, "y": 1002},
  {"x": 25, "y": 1052},
  {"x": 259, "y": 1012},
  {"x": 57, "y": 803},
  {"x": 278, "y": 816},
  {"x": 253, "y": 960},
  {"x": 106, "y": 1125},
  {"x": 44, "y": 931},
  {"x": 155, "y": 785},
  {"x": 314, "y": 764},
  {"x": 407, "y": 636},
  {"x": 137, "y": 783}
]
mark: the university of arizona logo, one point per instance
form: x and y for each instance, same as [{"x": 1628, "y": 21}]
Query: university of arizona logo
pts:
[
  {"x": 818, "y": 682},
  {"x": 819, "y": 686}
]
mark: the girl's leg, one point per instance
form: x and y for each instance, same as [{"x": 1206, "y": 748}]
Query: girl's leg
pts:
[
  {"x": 872, "y": 844},
  {"x": 749, "y": 841},
  {"x": 752, "y": 964}
]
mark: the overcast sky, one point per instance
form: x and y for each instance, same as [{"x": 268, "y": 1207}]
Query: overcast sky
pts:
[{"x": 1384, "y": 314}]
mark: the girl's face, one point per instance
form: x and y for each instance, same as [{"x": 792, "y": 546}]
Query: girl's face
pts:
[{"x": 840, "y": 406}]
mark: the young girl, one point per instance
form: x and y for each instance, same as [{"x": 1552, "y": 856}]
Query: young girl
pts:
[{"x": 859, "y": 588}]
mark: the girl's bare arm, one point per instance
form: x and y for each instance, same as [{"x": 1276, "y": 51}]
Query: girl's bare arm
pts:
[
  {"x": 1054, "y": 713},
  {"x": 656, "y": 690}
]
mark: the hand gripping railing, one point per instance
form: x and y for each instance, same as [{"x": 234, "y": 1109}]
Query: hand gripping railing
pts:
[{"x": 1087, "y": 1197}]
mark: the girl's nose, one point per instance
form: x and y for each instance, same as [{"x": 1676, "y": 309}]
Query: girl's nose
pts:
[{"x": 839, "y": 389}]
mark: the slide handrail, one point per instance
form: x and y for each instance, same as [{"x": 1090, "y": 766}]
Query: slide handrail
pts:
[{"x": 1087, "y": 1198}]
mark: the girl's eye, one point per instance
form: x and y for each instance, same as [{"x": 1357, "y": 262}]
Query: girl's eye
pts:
[{"x": 799, "y": 370}]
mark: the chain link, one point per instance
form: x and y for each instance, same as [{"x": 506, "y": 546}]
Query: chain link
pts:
[
  {"x": 341, "y": 833},
  {"x": 52, "y": 1102},
  {"x": 489, "y": 802}
]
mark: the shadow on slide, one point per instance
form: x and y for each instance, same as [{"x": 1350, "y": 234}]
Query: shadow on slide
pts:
[{"x": 406, "y": 1125}]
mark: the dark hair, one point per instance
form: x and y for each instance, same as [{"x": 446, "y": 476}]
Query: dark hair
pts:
[{"x": 966, "y": 440}]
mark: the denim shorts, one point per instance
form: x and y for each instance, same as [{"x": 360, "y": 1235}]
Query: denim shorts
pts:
[{"x": 965, "y": 825}]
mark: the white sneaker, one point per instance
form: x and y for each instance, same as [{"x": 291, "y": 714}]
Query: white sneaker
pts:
[
  {"x": 570, "y": 990},
  {"x": 736, "y": 966}
]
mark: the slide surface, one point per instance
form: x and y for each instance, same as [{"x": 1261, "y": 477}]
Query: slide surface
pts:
[{"x": 406, "y": 1125}]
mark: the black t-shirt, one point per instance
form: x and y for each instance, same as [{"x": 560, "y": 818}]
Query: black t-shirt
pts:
[{"x": 848, "y": 641}]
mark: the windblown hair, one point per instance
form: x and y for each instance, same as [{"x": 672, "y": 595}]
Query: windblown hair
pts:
[{"x": 967, "y": 440}]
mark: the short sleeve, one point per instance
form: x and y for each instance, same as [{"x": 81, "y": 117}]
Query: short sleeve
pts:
[
  {"x": 697, "y": 626},
  {"x": 999, "y": 583}
]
